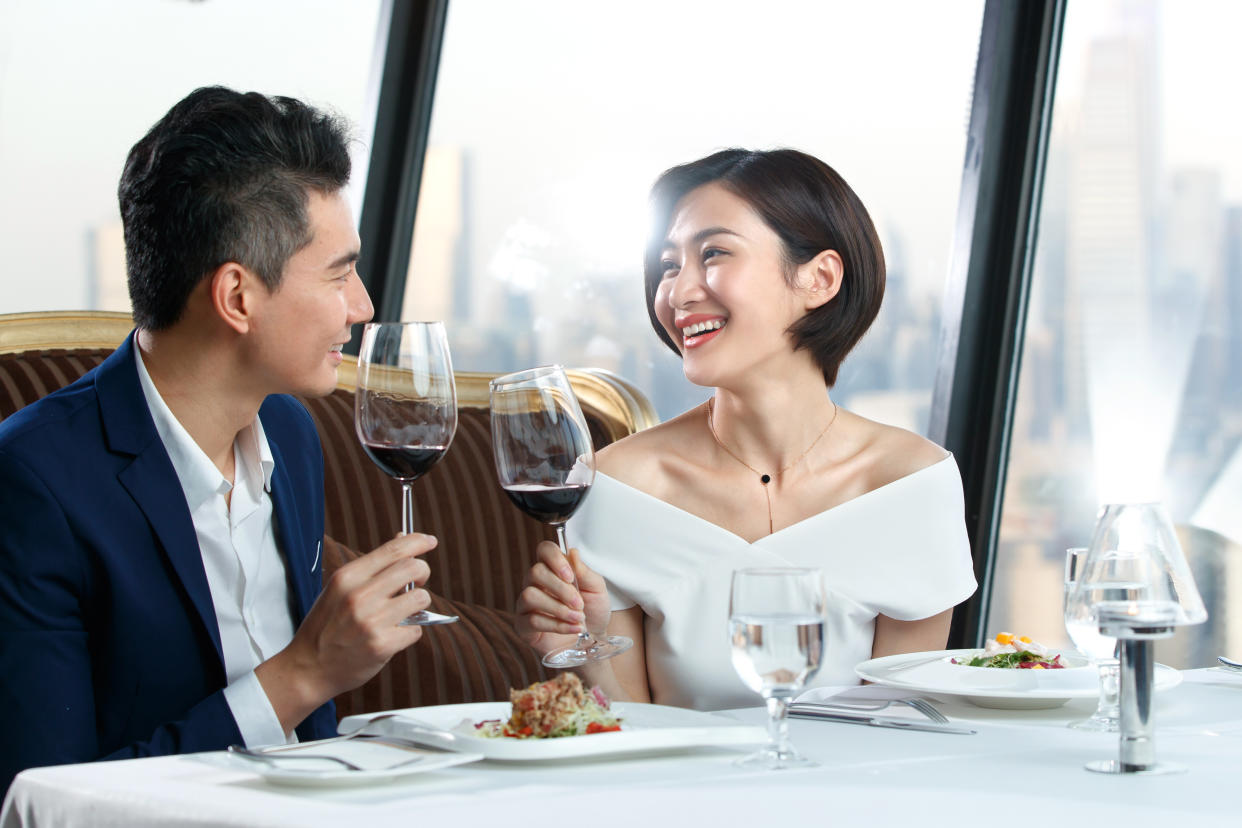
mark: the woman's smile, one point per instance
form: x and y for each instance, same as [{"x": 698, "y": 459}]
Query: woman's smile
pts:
[{"x": 699, "y": 329}]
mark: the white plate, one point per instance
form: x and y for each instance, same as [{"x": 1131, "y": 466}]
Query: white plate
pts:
[
  {"x": 644, "y": 727},
  {"x": 933, "y": 672},
  {"x": 380, "y": 762}
]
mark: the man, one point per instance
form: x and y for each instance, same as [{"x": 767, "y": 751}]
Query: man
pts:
[{"x": 160, "y": 519}]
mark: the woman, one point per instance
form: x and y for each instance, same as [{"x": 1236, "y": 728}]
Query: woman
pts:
[{"x": 763, "y": 270}]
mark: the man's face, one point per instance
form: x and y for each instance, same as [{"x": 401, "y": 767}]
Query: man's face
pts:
[{"x": 300, "y": 328}]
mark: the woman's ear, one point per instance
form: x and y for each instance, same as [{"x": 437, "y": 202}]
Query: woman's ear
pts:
[
  {"x": 234, "y": 295},
  {"x": 820, "y": 278}
]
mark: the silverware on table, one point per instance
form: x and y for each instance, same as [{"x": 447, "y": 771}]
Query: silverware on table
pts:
[
  {"x": 275, "y": 759},
  {"x": 374, "y": 729},
  {"x": 873, "y": 705},
  {"x": 1230, "y": 663},
  {"x": 803, "y": 712}
]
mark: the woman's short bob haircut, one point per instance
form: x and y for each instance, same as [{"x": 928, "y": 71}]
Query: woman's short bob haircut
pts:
[{"x": 811, "y": 208}]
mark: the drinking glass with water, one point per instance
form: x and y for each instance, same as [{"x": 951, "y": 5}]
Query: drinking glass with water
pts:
[{"x": 777, "y": 627}]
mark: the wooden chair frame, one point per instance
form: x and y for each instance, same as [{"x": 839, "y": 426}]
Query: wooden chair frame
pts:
[{"x": 619, "y": 404}]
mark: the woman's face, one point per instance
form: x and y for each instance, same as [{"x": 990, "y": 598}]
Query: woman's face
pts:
[{"x": 723, "y": 296}]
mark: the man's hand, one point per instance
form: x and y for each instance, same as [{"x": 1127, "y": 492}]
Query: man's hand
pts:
[{"x": 352, "y": 630}]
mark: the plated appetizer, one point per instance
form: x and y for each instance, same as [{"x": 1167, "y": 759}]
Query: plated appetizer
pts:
[
  {"x": 553, "y": 709},
  {"x": 1008, "y": 651}
]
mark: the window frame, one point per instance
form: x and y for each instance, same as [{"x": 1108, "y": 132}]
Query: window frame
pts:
[{"x": 987, "y": 288}]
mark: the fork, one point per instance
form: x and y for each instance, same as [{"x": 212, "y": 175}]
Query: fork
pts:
[
  {"x": 276, "y": 759},
  {"x": 921, "y": 705}
]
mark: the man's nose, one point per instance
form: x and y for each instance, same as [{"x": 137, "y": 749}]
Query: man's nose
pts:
[{"x": 360, "y": 307}]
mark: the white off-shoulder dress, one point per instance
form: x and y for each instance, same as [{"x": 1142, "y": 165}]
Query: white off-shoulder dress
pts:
[{"x": 900, "y": 550}]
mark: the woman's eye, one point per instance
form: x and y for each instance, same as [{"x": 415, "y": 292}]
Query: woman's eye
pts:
[
  {"x": 711, "y": 253},
  {"x": 668, "y": 267}
]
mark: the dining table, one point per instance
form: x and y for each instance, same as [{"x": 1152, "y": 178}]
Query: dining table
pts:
[{"x": 1018, "y": 768}]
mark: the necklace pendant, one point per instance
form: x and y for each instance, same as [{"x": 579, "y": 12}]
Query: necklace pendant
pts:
[{"x": 765, "y": 479}]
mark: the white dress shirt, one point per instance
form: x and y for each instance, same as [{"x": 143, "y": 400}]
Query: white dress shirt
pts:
[{"x": 245, "y": 570}]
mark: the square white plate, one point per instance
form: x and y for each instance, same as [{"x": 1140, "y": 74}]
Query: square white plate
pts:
[{"x": 644, "y": 727}]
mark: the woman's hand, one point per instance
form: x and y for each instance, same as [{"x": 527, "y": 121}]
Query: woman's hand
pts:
[{"x": 551, "y": 611}]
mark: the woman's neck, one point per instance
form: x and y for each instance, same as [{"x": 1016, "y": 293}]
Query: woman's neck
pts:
[{"x": 771, "y": 425}]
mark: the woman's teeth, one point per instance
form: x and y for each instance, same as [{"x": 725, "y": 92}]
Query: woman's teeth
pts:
[{"x": 702, "y": 327}]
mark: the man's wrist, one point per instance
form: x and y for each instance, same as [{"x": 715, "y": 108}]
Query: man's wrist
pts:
[{"x": 291, "y": 688}]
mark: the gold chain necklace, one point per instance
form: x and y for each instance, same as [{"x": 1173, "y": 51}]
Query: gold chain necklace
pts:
[{"x": 765, "y": 479}]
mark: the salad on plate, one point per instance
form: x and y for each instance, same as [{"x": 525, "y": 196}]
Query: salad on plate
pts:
[
  {"x": 1010, "y": 652},
  {"x": 553, "y": 709}
]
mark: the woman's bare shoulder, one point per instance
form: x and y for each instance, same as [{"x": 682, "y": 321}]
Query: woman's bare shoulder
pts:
[
  {"x": 893, "y": 453},
  {"x": 635, "y": 459}
]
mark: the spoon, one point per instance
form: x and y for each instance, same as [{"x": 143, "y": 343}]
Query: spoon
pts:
[{"x": 1229, "y": 662}]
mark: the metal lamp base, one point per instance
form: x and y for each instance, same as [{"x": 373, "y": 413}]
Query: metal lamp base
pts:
[{"x": 1114, "y": 766}]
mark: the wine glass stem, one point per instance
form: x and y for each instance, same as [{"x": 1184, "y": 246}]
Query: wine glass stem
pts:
[
  {"x": 778, "y": 724},
  {"x": 585, "y": 640},
  {"x": 1109, "y": 674},
  {"x": 407, "y": 507}
]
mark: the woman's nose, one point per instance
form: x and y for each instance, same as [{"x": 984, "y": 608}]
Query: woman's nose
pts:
[{"x": 688, "y": 286}]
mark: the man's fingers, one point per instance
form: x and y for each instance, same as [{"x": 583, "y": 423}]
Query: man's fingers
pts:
[{"x": 401, "y": 547}]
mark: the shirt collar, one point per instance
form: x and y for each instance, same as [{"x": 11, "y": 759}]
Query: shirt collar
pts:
[{"x": 199, "y": 477}]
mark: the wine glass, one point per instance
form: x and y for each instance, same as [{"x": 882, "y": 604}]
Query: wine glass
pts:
[
  {"x": 546, "y": 466},
  {"x": 405, "y": 411},
  {"x": 1135, "y": 585},
  {"x": 777, "y": 625},
  {"x": 1099, "y": 648}
]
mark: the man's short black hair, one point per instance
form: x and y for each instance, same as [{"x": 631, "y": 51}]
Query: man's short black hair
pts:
[
  {"x": 811, "y": 208},
  {"x": 223, "y": 177}
]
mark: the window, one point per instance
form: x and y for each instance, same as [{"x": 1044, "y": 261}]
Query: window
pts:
[
  {"x": 1132, "y": 365},
  {"x": 529, "y": 234},
  {"x": 81, "y": 82}
]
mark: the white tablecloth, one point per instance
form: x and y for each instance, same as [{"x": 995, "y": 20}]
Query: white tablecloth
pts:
[{"x": 1021, "y": 768}]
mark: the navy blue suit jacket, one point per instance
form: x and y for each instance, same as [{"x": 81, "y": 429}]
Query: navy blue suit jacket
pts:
[{"x": 109, "y": 646}]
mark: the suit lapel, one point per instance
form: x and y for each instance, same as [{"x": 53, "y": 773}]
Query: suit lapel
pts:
[
  {"x": 302, "y": 558},
  {"x": 151, "y": 480}
]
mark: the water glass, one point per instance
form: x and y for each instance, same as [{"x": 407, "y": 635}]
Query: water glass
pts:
[
  {"x": 1099, "y": 648},
  {"x": 777, "y": 626}
]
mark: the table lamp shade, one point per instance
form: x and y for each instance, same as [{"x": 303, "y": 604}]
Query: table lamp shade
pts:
[{"x": 1135, "y": 568}]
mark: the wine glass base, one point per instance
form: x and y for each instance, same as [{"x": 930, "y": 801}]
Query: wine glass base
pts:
[
  {"x": 772, "y": 759},
  {"x": 427, "y": 619},
  {"x": 1114, "y": 766},
  {"x": 598, "y": 651},
  {"x": 1096, "y": 724}
]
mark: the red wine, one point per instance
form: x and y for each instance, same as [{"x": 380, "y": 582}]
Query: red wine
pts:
[
  {"x": 547, "y": 504},
  {"x": 405, "y": 463}
]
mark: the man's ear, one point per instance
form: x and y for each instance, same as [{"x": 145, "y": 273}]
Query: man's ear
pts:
[
  {"x": 820, "y": 278},
  {"x": 235, "y": 295}
]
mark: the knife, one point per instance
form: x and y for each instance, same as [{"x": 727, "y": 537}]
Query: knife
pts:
[{"x": 878, "y": 721}]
